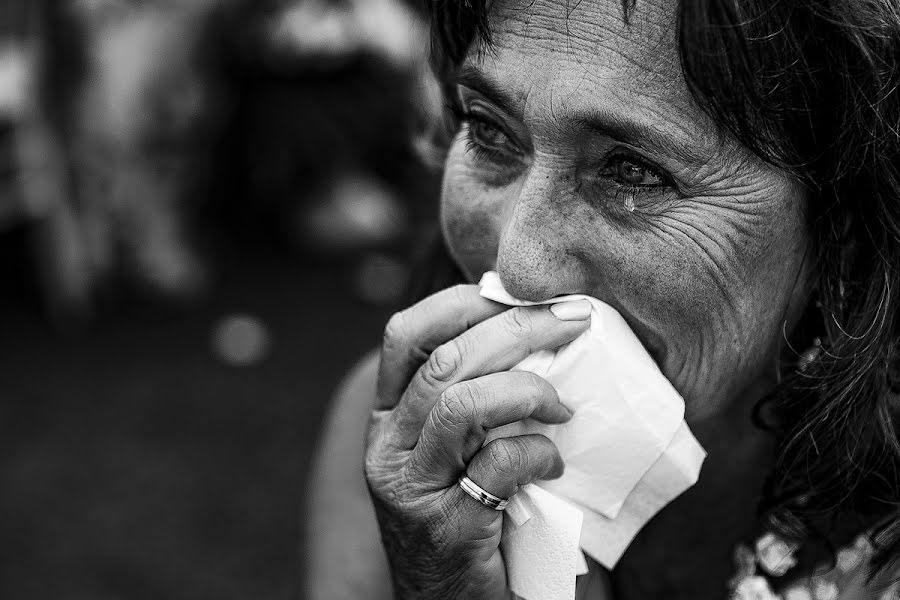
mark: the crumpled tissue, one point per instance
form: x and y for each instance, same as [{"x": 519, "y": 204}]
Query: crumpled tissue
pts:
[{"x": 627, "y": 449}]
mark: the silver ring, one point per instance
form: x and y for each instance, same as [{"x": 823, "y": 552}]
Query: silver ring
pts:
[{"x": 477, "y": 492}]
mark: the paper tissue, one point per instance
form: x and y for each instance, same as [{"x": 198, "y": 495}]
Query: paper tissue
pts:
[{"x": 628, "y": 452}]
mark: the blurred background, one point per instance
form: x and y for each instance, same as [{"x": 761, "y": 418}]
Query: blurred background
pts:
[{"x": 208, "y": 209}]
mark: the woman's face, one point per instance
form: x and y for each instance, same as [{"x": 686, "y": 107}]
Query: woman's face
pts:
[{"x": 584, "y": 166}]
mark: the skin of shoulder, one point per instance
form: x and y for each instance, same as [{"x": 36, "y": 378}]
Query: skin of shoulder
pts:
[{"x": 344, "y": 556}]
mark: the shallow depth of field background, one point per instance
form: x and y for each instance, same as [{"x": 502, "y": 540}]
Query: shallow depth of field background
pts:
[{"x": 208, "y": 209}]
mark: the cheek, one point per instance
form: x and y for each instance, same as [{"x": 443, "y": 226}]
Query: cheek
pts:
[
  {"x": 471, "y": 218},
  {"x": 719, "y": 287},
  {"x": 707, "y": 287}
]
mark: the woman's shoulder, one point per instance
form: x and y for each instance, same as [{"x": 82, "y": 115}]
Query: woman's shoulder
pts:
[
  {"x": 339, "y": 450},
  {"x": 355, "y": 395},
  {"x": 344, "y": 557}
]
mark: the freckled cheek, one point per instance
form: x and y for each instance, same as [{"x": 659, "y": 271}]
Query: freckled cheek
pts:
[
  {"x": 667, "y": 287},
  {"x": 666, "y": 290},
  {"x": 696, "y": 318},
  {"x": 719, "y": 324},
  {"x": 471, "y": 220}
]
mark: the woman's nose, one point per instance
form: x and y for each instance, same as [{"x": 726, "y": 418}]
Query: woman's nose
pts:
[{"x": 536, "y": 255}]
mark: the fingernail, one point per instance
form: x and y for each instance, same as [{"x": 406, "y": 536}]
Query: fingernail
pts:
[
  {"x": 559, "y": 469},
  {"x": 578, "y": 310},
  {"x": 558, "y": 413}
]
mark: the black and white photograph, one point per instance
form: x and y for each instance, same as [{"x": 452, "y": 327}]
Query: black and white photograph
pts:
[{"x": 450, "y": 299}]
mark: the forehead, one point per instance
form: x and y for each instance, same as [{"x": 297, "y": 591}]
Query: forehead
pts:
[{"x": 570, "y": 57}]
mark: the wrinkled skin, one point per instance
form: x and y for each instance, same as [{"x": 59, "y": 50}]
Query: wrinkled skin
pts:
[
  {"x": 705, "y": 276},
  {"x": 584, "y": 166}
]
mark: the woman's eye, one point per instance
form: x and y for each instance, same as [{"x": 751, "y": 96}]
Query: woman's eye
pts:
[
  {"x": 635, "y": 173},
  {"x": 634, "y": 183},
  {"x": 488, "y": 136},
  {"x": 488, "y": 144}
]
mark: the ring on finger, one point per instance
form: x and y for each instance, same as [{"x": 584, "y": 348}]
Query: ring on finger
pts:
[{"x": 482, "y": 495}]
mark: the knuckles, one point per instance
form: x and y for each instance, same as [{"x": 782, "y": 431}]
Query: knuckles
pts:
[
  {"x": 519, "y": 321},
  {"x": 400, "y": 327},
  {"x": 535, "y": 388},
  {"x": 444, "y": 364},
  {"x": 457, "y": 406},
  {"x": 507, "y": 458},
  {"x": 396, "y": 331}
]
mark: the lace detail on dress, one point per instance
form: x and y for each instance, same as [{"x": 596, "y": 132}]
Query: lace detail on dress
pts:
[{"x": 775, "y": 557}]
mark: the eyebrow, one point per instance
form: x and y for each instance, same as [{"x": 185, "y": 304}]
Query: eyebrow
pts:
[{"x": 598, "y": 121}]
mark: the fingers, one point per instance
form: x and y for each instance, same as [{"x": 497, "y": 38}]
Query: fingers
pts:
[
  {"x": 458, "y": 424},
  {"x": 494, "y": 345},
  {"x": 505, "y": 464},
  {"x": 412, "y": 335}
]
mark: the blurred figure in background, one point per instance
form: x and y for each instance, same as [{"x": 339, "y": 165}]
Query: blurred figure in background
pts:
[
  {"x": 329, "y": 95},
  {"x": 130, "y": 124},
  {"x": 251, "y": 162}
]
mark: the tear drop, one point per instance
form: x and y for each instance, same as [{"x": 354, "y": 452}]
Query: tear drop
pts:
[{"x": 629, "y": 203}]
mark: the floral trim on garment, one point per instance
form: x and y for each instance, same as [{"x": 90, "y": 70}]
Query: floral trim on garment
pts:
[{"x": 774, "y": 557}]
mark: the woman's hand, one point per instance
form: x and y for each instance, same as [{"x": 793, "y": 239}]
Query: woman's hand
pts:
[{"x": 443, "y": 383}]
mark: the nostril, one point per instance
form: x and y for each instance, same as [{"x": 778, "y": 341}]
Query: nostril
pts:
[{"x": 531, "y": 287}]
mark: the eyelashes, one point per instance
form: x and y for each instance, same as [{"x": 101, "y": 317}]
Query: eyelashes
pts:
[
  {"x": 486, "y": 140},
  {"x": 622, "y": 176},
  {"x": 634, "y": 181},
  {"x": 631, "y": 170}
]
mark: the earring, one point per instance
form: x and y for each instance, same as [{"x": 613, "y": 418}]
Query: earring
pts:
[{"x": 810, "y": 355}]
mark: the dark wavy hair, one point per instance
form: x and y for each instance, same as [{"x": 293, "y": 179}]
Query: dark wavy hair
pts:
[{"x": 810, "y": 86}]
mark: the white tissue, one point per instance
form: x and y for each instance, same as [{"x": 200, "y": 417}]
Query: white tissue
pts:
[
  {"x": 546, "y": 560},
  {"x": 627, "y": 449},
  {"x": 605, "y": 540}
]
